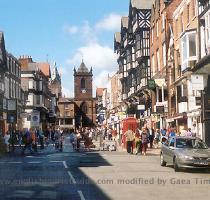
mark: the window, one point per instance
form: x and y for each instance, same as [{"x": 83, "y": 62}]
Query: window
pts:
[
  {"x": 138, "y": 42},
  {"x": 157, "y": 29},
  {"x": 164, "y": 54},
  {"x": 188, "y": 13},
  {"x": 176, "y": 28},
  {"x": 128, "y": 55},
  {"x": 30, "y": 84},
  {"x": 66, "y": 106},
  {"x": 189, "y": 52},
  {"x": 163, "y": 22},
  {"x": 207, "y": 21},
  {"x": 158, "y": 61},
  {"x": 153, "y": 65},
  {"x": 193, "y": 7},
  {"x": 83, "y": 83},
  {"x": 181, "y": 23}
]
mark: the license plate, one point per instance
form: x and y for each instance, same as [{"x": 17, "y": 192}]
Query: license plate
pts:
[{"x": 201, "y": 163}]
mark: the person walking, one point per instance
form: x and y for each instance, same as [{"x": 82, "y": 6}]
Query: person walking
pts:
[
  {"x": 189, "y": 133},
  {"x": 27, "y": 140},
  {"x": 6, "y": 141},
  {"x": 144, "y": 138},
  {"x": 138, "y": 142},
  {"x": 151, "y": 133},
  {"x": 129, "y": 134}
]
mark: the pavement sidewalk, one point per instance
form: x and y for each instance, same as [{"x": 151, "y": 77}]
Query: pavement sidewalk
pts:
[{"x": 153, "y": 151}]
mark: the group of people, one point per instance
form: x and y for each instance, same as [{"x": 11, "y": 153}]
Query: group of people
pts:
[
  {"x": 31, "y": 138},
  {"x": 139, "y": 140},
  {"x": 82, "y": 134}
]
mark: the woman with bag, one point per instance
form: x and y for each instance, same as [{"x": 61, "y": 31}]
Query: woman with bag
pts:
[{"x": 144, "y": 137}]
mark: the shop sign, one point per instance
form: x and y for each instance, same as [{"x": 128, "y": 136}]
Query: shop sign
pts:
[
  {"x": 160, "y": 109},
  {"x": 160, "y": 82},
  {"x": 4, "y": 104},
  {"x": 12, "y": 104},
  {"x": 141, "y": 107},
  {"x": 197, "y": 82},
  {"x": 35, "y": 118},
  {"x": 11, "y": 117},
  {"x": 198, "y": 101},
  {"x": 151, "y": 84}
]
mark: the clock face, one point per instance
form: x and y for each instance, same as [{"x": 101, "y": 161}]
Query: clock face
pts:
[{"x": 83, "y": 90}]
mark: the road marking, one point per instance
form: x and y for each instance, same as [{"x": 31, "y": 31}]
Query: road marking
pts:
[
  {"x": 15, "y": 162},
  {"x": 55, "y": 161},
  {"x": 34, "y": 162},
  {"x": 72, "y": 178},
  {"x": 81, "y": 195},
  {"x": 65, "y": 165}
]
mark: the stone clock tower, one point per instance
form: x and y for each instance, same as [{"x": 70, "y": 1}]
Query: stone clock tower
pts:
[
  {"x": 83, "y": 82},
  {"x": 85, "y": 109}
]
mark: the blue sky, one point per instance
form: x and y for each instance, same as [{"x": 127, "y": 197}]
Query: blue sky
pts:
[{"x": 64, "y": 31}]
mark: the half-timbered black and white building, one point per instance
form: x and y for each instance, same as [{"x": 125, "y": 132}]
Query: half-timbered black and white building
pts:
[{"x": 132, "y": 46}]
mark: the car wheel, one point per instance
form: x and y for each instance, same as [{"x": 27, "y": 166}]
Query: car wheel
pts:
[
  {"x": 176, "y": 167},
  {"x": 162, "y": 162}
]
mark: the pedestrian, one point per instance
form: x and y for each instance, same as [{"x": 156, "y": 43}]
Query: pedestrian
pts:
[
  {"x": 189, "y": 133},
  {"x": 144, "y": 138},
  {"x": 157, "y": 138},
  {"x": 40, "y": 135},
  {"x": 12, "y": 139},
  {"x": 34, "y": 139},
  {"x": 138, "y": 143},
  {"x": 27, "y": 140},
  {"x": 6, "y": 141},
  {"x": 172, "y": 133},
  {"x": 151, "y": 133},
  {"x": 129, "y": 134}
]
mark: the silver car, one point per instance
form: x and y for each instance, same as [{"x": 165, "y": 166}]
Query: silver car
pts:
[{"x": 185, "y": 152}]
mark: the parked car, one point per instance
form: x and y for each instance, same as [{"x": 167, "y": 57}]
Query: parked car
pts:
[{"x": 185, "y": 152}]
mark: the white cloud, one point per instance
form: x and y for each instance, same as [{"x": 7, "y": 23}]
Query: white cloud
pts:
[
  {"x": 66, "y": 92},
  {"x": 111, "y": 23},
  {"x": 71, "y": 29},
  {"x": 101, "y": 80},
  {"x": 101, "y": 57},
  {"x": 95, "y": 55}
]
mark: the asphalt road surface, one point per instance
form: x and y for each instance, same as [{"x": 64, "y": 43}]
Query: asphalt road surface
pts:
[{"x": 96, "y": 175}]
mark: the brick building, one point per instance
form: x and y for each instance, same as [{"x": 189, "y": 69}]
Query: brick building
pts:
[
  {"x": 160, "y": 32},
  {"x": 85, "y": 104}
]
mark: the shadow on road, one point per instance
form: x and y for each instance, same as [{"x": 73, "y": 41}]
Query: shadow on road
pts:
[{"x": 51, "y": 181}]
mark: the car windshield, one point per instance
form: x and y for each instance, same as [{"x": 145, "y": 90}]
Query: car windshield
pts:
[{"x": 190, "y": 143}]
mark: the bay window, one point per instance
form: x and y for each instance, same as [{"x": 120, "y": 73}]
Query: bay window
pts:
[{"x": 189, "y": 49}]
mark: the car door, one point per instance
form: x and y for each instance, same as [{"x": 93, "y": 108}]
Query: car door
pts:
[
  {"x": 165, "y": 149},
  {"x": 171, "y": 149}
]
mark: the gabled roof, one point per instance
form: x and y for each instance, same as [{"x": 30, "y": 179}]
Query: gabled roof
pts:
[
  {"x": 45, "y": 68},
  {"x": 141, "y": 4},
  {"x": 124, "y": 22},
  {"x": 83, "y": 68},
  {"x": 3, "y": 57},
  {"x": 55, "y": 75}
]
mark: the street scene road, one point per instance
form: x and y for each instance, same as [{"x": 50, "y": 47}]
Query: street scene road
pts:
[
  {"x": 105, "y": 100},
  {"x": 96, "y": 175}
]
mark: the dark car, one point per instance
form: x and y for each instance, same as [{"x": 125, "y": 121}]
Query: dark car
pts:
[{"x": 185, "y": 152}]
